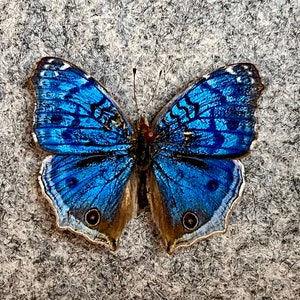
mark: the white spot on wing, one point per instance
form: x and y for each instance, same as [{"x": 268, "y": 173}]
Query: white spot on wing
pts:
[
  {"x": 188, "y": 133},
  {"x": 34, "y": 137},
  {"x": 230, "y": 70},
  {"x": 65, "y": 66}
]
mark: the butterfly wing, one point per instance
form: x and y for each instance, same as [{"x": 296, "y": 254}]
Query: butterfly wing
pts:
[
  {"x": 74, "y": 113},
  {"x": 90, "y": 183},
  {"x": 191, "y": 197},
  {"x": 92, "y": 195},
  {"x": 195, "y": 181},
  {"x": 213, "y": 116}
]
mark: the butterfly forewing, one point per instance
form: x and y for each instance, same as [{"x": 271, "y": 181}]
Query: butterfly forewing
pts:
[
  {"x": 74, "y": 113},
  {"x": 213, "y": 116}
]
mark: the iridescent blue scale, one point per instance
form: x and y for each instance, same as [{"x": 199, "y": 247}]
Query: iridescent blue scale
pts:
[{"x": 185, "y": 161}]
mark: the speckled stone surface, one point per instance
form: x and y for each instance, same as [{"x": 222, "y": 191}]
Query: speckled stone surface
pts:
[{"x": 259, "y": 256}]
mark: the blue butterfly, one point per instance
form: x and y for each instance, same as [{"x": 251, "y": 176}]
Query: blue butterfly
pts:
[{"x": 185, "y": 161}]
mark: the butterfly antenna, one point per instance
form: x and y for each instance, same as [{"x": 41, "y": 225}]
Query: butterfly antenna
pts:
[
  {"x": 155, "y": 89},
  {"x": 134, "y": 90}
]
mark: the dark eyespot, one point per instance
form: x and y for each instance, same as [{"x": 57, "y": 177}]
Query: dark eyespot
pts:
[
  {"x": 212, "y": 185},
  {"x": 232, "y": 124},
  {"x": 66, "y": 135},
  {"x": 92, "y": 217},
  {"x": 56, "y": 119},
  {"x": 190, "y": 221},
  {"x": 219, "y": 138},
  {"x": 71, "y": 182}
]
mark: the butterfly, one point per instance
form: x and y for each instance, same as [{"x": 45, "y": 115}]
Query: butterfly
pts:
[{"x": 186, "y": 161}]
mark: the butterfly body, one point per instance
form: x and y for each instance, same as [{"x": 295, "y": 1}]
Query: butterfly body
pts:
[{"x": 185, "y": 162}]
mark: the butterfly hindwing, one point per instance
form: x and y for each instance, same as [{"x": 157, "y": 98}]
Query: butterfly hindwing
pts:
[
  {"x": 89, "y": 182},
  {"x": 74, "y": 113},
  {"x": 213, "y": 116},
  {"x": 91, "y": 194},
  {"x": 192, "y": 197}
]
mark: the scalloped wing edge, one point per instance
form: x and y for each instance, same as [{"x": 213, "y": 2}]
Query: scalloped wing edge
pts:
[{"x": 111, "y": 239}]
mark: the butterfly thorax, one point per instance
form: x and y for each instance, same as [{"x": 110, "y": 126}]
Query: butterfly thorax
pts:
[{"x": 143, "y": 149}]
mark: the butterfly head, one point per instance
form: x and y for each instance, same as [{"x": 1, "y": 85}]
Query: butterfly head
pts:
[{"x": 146, "y": 131}]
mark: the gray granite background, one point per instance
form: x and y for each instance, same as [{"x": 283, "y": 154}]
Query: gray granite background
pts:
[{"x": 259, "y": 256}]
